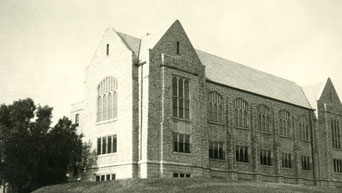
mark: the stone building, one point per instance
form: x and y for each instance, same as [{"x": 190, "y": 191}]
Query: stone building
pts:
[{"x": 156, "y": 107}]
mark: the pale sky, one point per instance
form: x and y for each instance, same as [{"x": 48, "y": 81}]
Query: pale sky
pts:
[{"x": 45, "y": 45}]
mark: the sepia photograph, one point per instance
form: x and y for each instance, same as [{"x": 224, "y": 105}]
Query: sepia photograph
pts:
[{"x": 148, "y": 96}]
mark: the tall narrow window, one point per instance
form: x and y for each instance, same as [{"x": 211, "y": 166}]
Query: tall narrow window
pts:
[
  {"x": 306, "y": 163},
  {"x": 284, "y": 123},
  {"x": 180, "y": 98},
  {"x": 104, "y": 147},
  {"x": 98, "y": 146},
  {"x": 114, "y": 143},
  {"x": 303, "y": 124},
  {"x": 109, "y": 148},
  {"x": 241, "y": 107},
  {"x": 107, "y": 99},
  {"x": 178, "y": 48},
  {"x": 107, "y": 49},
  {"x": 215, "y": 107},
  {"x": 77, "y": 118},
  {"x": 263, "y": 119},
  {"x": 336, "y": 135}
]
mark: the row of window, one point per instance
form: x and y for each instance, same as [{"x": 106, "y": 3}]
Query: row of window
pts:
[
  {"x": 336, "y": 135},
  {"x": 265, "y": 157},
  {"x": 106, "y": 145},
  {"x": 181, "y": 109},
  {"x": 181, "y": 175},
  {"x": 106, "y": 177}
]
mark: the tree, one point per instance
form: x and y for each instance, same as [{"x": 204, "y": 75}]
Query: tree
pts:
[{"x": 34, "y": 154}]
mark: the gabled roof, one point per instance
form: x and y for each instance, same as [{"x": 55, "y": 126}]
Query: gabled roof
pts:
[
  {"x": 245, "y": 78},
  {"x": 232, "y": 74},
  {"x": 132, "y": 43}
]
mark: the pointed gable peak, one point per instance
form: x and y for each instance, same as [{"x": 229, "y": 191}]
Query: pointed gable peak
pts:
[
  {"x": 176, "y": 43},
  {"x": 177, "y": 22}
]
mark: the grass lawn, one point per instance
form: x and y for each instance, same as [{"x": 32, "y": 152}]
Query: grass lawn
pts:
[{"x": 182, "y": 185}]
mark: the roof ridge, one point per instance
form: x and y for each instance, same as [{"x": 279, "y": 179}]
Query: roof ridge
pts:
[{"x": 128, "y": 35}]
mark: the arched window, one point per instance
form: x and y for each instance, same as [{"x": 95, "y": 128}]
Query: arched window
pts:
[
  {"x": 263, "y": 119},
  {"x": 240, "y": 112},
  {"x": 107, "y": 99},
  {"x": 303, "y": 125},
  {"x": 215, "y": 107},
  {"x": 284, "y": 123}
]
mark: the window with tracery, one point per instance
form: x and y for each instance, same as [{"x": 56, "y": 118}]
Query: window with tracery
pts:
[
  {"x": 303, "y": 124},
  {"x": 215, "y": 107},
  {"x": 284, "y": 123},
  {"x": 107, "y": 99},
  {"x": 263, "y": 119},
  {"x": 240, "y": 112}
]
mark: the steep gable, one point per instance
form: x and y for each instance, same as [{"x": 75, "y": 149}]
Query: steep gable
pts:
[
  {"x": 329, "y": 94},
  {"x": 321, "y": 93},
  {"x": 176, "y": 43},
  {"x": 114, "y": 41}
]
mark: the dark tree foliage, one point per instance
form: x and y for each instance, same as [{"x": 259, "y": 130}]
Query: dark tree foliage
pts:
[{"x": 34, "y": 154}]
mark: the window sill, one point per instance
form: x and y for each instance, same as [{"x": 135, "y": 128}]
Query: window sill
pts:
[
  {"x": 265, "y": 132},
  {"x": 304, "y": 140},
  {"x": 107, "y": 154},
  {"x": 266, "y": 166},
  {"x": 216, "y": 123},
  {"x": 181, "y": 119},
  {"x": 181, "y": 153},
  {"x": 286, "y": 137},
  {"x": 284, "y": 168},
  {"x": 217, "y": 160},
  {"x": 243, "y": 163},
  {"x": 242, "y": 128},
  {"x": 106, "y": 121}
]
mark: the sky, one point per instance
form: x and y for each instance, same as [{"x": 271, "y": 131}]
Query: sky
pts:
[{"x": 45, "y": 45}]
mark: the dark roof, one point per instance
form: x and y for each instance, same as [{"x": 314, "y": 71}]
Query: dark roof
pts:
[
  {"x": 245, "y": 78},
  {"x": 132, "y": 43}
]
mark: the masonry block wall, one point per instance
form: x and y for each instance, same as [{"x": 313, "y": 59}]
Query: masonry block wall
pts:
[
  {"x": 329, "y": 109},
  {"x": 146, "y": 125},
  {"x": 113, "y": 59}
]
